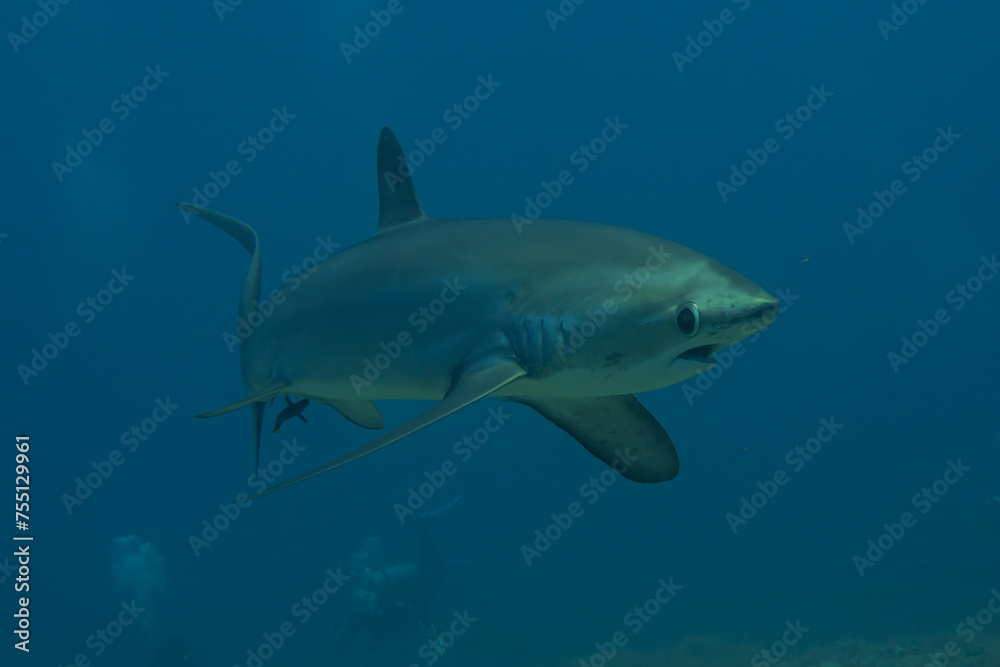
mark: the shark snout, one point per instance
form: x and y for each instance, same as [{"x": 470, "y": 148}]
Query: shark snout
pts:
[
  {"x": 738, "y": 321},
  {"x": 743, "y": 318},
  {"x": 765, "y": 311},
  {"x": 759, "y": 313}
]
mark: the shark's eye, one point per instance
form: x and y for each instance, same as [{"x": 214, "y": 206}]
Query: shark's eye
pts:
[{"x": 688, "y": 319}]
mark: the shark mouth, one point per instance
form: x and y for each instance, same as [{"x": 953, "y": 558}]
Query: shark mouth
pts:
[{"x": 701, "y": 354}]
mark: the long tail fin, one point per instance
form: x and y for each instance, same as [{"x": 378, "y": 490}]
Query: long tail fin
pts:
[{"x": 247, "y": 237}]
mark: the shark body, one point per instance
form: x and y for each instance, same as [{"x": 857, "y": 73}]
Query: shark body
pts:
[{"x": 570, "y": 318}]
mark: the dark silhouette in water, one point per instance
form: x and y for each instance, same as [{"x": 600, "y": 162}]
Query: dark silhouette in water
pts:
[
  {"x": 291, "y": 410},
  {"x": 390, "y": 601}
]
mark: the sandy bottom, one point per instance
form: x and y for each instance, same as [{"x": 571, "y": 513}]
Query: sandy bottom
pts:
[{"x": 984, "y": 651}]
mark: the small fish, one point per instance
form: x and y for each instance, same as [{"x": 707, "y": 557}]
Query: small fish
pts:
[{"x": 292, "y": 410}]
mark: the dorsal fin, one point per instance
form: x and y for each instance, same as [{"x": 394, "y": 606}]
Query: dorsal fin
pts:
[{"x": 397, "y": 200}]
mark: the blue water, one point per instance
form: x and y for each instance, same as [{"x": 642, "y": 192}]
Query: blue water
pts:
[{"x": 878, "y": 96}]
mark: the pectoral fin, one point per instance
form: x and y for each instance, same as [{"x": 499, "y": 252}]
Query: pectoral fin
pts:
[
  {"x": 276, "y": 389},
  {"x": 473, "y": 383},
  {"x": 616, "y": 429}
]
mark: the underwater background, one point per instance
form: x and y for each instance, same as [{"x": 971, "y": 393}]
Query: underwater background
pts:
[{"x": 841, "y": 155}]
